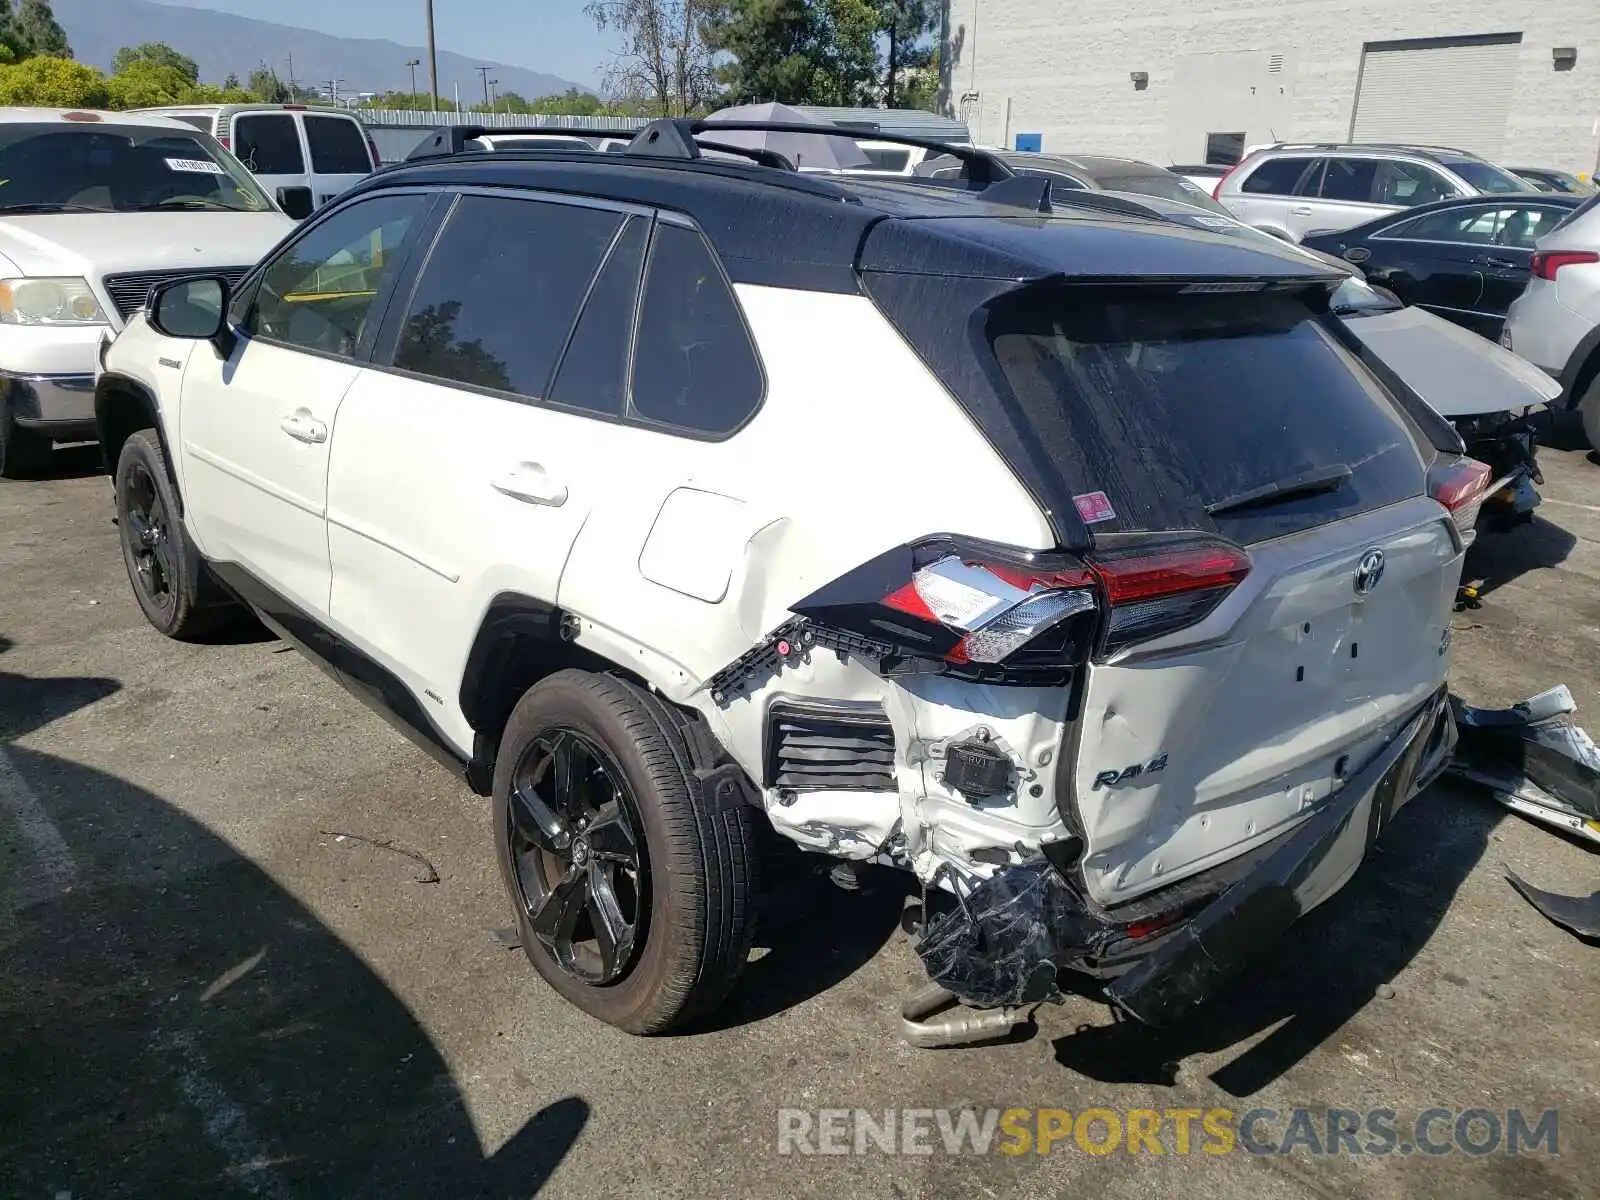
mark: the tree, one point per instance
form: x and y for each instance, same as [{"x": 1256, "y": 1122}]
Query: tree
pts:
[
  {"x": 409, "y": 102},
  {"x": 907, "y": 25},
  {"x": 574, "y": 102},
  {"x": 266, "y": 87},
  {"x": 666, "y": 60},
  {"x": 157, "y": 54},
  {"x": 39, "y": 31},
  {"x": 779, "y": 50},
  {"x": 149, "y": 85},
  {"x": 53, "y": 83},
  {"x": 851, "y": 68},
  {"x": 231, "y": 83}
]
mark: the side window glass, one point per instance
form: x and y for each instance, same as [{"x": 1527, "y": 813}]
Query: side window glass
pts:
[
  {"x": 594, "y": 370},
  {"x": 1349, "y": 179},
  {"x": 1525, "y": 226},
  {"x": 338, "y": 146},
  {"x": 1311, "y": 182},
  {"x": 693, "y": 364},
  {"x": 1410, "y": 184},
  {"x": 269, "y": 145},
  {"x": 1475, "y": 225},
  {"x": 1224, "y": 149},
  {"x": 319, "y": 294},
  {"x": 1275, "y": 177},
  {"x": 501, "y": 292}
]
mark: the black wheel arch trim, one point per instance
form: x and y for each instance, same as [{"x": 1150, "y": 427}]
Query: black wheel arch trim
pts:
[
  {"x": 361, "y": 675},
  {"x": 112, "y": 433}
]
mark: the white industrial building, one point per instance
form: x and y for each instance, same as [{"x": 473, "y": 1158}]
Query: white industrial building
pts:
[{"x": 1187, "y": 81}]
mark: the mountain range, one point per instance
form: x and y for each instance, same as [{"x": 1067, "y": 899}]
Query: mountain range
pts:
[{"x": 222, "y": 43}]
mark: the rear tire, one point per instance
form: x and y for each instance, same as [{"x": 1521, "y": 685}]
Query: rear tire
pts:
[
  {"x": 24, "y": 453},
  {"x": 686, "y": 904},
  {"x": 1589, "y": 409},
  {"x": 170, "y": 581}
]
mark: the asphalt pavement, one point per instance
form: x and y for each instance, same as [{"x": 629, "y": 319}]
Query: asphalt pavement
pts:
[{"x": 226, "y": 968}]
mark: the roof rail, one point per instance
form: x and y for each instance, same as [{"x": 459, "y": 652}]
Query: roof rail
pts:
[
  {"x": 454, "y": 140},
  {"x": 675, "y": 138}
]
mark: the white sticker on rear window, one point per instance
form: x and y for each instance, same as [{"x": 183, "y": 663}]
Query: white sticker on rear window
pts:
[
  {"x": 1094, "y": 507},
  {"x": 195, "y": 166}
]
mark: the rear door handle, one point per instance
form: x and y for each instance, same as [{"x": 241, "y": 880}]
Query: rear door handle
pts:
[
  {"x": 1490, "y": 260},
  {"x": 532, "y": 484},
  {"x": 303, "y": 427},
  {"x": 1303, "y": 210}
]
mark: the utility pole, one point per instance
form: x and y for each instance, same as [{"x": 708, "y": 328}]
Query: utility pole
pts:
[
  {"x": 413, "y": 63},
  {"x": 433, "y": 58},
  {"x": 484, "y": 71}
]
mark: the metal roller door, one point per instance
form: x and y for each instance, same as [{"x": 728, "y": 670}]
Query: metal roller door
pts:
[{"x": 1439, "y": 92}]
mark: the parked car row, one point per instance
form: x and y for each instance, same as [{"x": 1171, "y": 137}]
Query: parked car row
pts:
[{"x": 1171, "y": 632}]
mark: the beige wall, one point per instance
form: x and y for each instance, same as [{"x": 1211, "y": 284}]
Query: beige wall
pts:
[{"x": 1064, "y": 66}]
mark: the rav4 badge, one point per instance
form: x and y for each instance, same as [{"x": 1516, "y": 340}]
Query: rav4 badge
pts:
[{"x": 1112, "y": 778}]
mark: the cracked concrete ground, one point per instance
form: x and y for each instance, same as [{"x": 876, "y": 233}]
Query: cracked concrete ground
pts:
[{"x": 206, "y": 989}]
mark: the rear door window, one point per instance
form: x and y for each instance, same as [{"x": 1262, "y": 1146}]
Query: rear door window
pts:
[
  {"x": 1276, "y": 176},
  {"x": 501, "y": 292},
  {"x": 201, "y": 123},
  {"x": 338, "y": 146},
  {"x": 1349, "y": 179},
  {"x": 594, "y": 370},
  {"x": 269, "y": 144},
  {"x": 1175, "y": 404}
]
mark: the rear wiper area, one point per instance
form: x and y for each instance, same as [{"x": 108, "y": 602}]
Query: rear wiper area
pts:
[{"x": 1307, "y": 483}]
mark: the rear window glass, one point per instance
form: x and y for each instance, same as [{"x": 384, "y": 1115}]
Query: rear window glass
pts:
[
  {"x": 338, "y": 146},
  {"x": 269, "y": 145},
  {"x": 1275, "y": 177},
  {"x": 1349, "y": 179},
  {"x": 1175, "y": 402},
  {"x": 1163, "y": 184},
  {"x": 1486, "y": 177}
]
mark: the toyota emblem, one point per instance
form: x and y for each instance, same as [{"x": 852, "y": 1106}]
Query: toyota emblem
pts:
[{"x": 1369, "y": 572}]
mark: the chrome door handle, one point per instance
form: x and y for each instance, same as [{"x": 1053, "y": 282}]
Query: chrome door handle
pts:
[
  {"x": 1503, "y": 263},
  {"x": 532, "y": 484},
  {"x": 303, "y": 427}
]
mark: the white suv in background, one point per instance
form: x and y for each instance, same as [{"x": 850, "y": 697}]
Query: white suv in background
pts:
[
  {"x": 1291, "y": 190},
  {"x": 654, "y": 526},
  {"x": 95, "y": 210},
  {"x": 1555, "y": 323}
]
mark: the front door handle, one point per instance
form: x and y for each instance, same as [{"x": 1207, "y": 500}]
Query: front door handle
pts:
[
  {"x": 1489, "y": 260},
  {"x": 303, "y": 427},
  {"x": 532, "y": 484}
]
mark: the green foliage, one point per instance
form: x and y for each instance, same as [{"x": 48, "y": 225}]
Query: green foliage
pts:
[
  {"x": 158, "y": 54},
  {"x": 409, "y": 102},
  {"x": 266, "y": 87},
  {"x": 53, "y": 83}
]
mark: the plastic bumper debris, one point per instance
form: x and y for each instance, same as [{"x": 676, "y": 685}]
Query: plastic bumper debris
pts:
[
  {"x": 1535, "y": 759},
  {"x": 1581, "y": 914}
]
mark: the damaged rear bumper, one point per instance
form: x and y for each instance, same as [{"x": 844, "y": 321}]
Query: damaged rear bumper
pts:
[{"x": 1005, "y": 942}]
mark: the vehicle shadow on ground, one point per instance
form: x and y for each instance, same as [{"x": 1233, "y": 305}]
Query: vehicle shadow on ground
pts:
[
  {"x": 174, "y": 1023},
  {"x": 1325, "y": 971},
  {"x": 78, "y": 461},
  {"x": 814, "y": 933},
  {"x": 27, "y": 704},
  {"x": 1499, "y": 558}
]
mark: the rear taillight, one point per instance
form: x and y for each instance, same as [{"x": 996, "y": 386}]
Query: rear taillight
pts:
[
  {"x": 952, "y": 606},
  {"x": 1459, "y": 484},
  {"x": 227, "y": 142},
  {"x": 1546, "y": 263},
  {"x": 1153, "y": 591},
  {"x": 1216, "y": 192}
]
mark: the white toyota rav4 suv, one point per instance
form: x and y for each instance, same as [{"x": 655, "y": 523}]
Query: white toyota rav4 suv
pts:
[
  {"x": 95, "y": 209},
  {"x": 1075, "y": 561}
]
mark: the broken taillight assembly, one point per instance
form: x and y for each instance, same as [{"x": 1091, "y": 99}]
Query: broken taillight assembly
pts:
[
  {"x": 998, "y": 614},
  {"x": 1460, "y": 484}
]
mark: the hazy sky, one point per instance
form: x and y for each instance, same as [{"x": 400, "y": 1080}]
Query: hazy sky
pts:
[{"x": 546, "y": 35}]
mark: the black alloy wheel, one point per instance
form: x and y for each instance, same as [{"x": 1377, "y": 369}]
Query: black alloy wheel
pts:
[
  {"x": 577, "y": 845},
  {"x": 148, "y": 538}
]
